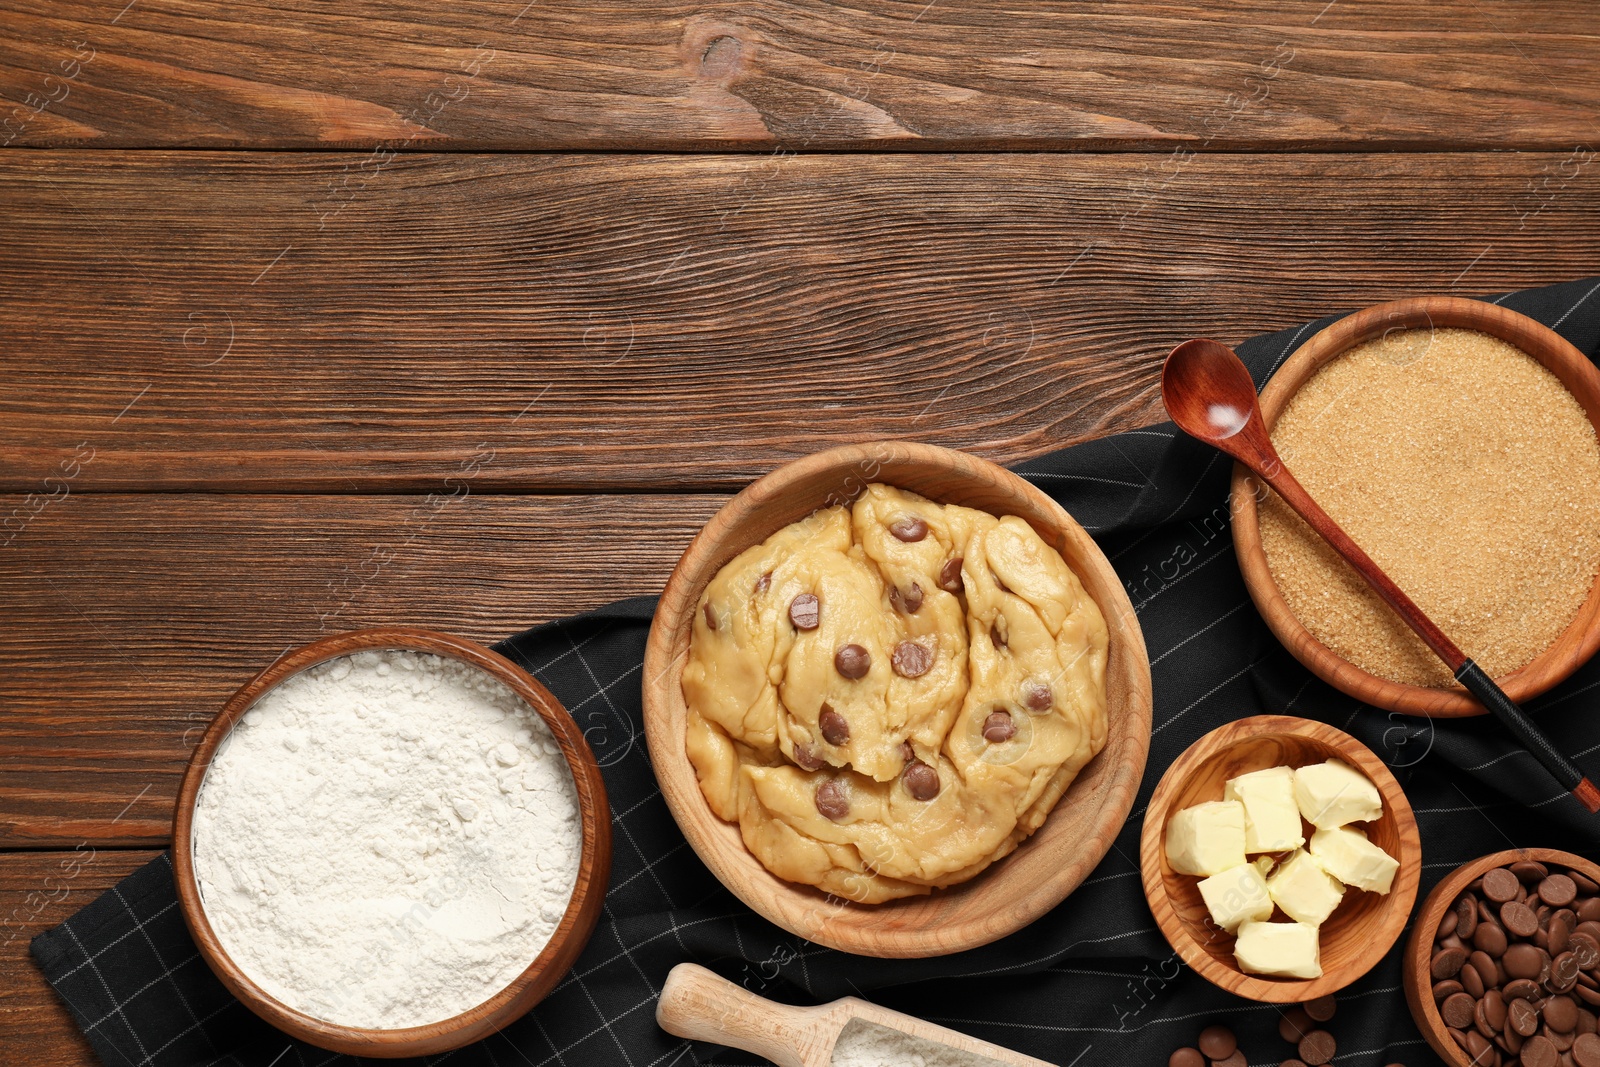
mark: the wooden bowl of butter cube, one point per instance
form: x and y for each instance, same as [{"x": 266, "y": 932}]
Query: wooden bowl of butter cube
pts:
[{"x": 1280, "y": 858}]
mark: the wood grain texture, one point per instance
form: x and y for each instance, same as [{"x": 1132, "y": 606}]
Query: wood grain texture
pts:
[
  {"x": 1046, "y": 866},
  {"x": 1415, "y": 973},
  {"x": 36, "y": 894},
  {"x": 698, "y": 1004},
  {"x": 683, "y": 323},
  {"x": 131, "y": 619},
  {"x": 1576, "y": 644},
  {"x": 514, "y": 1000},
  {"x": 1361, "y": 929},
  {"x": 805, "y": 75}
]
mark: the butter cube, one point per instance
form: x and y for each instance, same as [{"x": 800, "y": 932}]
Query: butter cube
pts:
[
  {"x": 1236, "y": 895},
  {"x": 1346, "y": 854},
  {"x": 1206, "y": 839},
  {"x": 1271, "y": 816},
  {"x": 1334, "y": 794},
  {"x": 1280, "y": 950},
  {"x": 1306, "y": 893}
]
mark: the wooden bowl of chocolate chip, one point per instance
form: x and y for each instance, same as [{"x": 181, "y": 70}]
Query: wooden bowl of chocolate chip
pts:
[
  {"x": 1503, "y": 964},
  {"x": 897, "y": 699}
]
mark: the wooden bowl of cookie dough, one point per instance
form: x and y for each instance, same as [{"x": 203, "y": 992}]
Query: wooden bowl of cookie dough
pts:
[
  {"x": 1046, "y": 867},
  {"x": 542, "y": 973},
  {"x": 1359, "y": 932}
]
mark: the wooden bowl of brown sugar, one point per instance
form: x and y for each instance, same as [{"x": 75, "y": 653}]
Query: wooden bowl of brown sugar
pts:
[
  {"x": 1433, "y": 971},
  {"x": 1455, "y": 441},
  {"x": 1044, "y": 868}
]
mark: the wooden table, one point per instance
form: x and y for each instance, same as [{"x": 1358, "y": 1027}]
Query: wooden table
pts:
[{"x": 466, "y": 315}]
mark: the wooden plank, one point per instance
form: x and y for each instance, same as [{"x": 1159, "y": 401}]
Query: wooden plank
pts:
[
  {"x": 130, "y": 619},
  {"x": 563, "y": 74},
  {"x": 37, "y": 891},
  {"x": 548, "y": 323}
]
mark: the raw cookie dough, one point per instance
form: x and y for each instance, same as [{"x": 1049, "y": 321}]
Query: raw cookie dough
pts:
[{"x": 889, "y": 697}]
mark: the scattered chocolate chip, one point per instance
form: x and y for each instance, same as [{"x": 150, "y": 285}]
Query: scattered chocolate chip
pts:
[
  {"x": 1186, "y": 1057},
  {"x": 832, "y": 801},
  {"x": 1322, "y": 1008},
  {"x": 852, "y": 661},
  {"x": 835, "y": 727},
  {"x": 806, "y": 759},
  {"x": 998, "y": 727},
  {"x": 906, "y": 601},
  {"x": 1235, "y": 1060},
  {"x": 763, "y": 583},
  {"x": 1217, "y": 1042},
  {"x": 911, "y": 659},
  {"x": 950, "y": 575},
  {"x": 805, "y": 611},
  {"x": 1295, "y": 1024},
  {"x": 1318, "y": 1047},
  {"x": 1037, "y": 696},
  {"x": 909, "y": 528},
  {"x": 921, "y": 780}
]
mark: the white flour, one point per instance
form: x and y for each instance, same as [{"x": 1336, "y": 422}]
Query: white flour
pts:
[
  {"x": 387, "y": 839},
  {"x": 864, "y": 1044}
]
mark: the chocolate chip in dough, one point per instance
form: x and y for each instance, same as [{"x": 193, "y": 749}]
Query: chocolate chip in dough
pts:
[
  {"x": 909, "y": 528},
  {"x": 805, "y": 611},
  {"x": 950, "y": 575},
  {"x": 1500, "y": 885},
  {"x": 1318, "y": 1047},
  {"x": 763, "y": 583},
  {"x": 996, "y": 634},
  {"x": 1586, "y": 1051},
  {"x": 1558, "y": 891},
  {"x": 1539, "y": 1051},
  {"x": 1322, "y": 1008},
  {"x": 1186, "y": 1057},
  {"x": 835, "y": 727},
  {"x": 1519, "y": 919},
  {"x": 910, "y": 660},
  {"x": 906, "y": 601},
  {"x": 711, "y": 616},
  {"x": 806, "y": 759},
  {"x": 1217, "y": 1042},
  {"x": 832, "y": 801},
  {"x": 921, "y": 780},
  {"x": 852, "y": 661},
  {"x": 1037, "y": 696},
  {"x": 1295, "y": 1024},
  {"x": 998, "y": 727}
]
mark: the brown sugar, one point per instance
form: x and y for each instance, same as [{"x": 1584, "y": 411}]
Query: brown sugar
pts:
[{"x": 1468, "y": 472}]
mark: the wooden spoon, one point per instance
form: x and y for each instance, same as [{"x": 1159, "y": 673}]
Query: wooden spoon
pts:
[
  {"x": 699, "y": 1005},
  {"x": 1209, "y": 394}
]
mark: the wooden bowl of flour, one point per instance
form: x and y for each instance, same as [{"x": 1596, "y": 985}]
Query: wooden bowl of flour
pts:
[
  {"x": 541, "y": 974},
  {"x": 1045, "y": 867}
]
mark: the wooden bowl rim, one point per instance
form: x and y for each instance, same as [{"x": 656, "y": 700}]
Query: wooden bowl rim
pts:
[
  {"x": 663, "y": 673},
  {"x": 1419, "y": 947},
  {"x": 1397, "y": 904},
  {"x": 541, "y": 974},
  {"x": 1571, "y": 649}
]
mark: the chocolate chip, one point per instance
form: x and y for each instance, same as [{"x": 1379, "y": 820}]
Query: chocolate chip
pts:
[
  {"x": 763, "y": 583},
  {"x": 907, "y": 753},
  {"x": 1529, "y": 871},
  {"x": 950, "y": 575},
  {"x": 1522, "y": 1017},
  {"x": 1563, "y": 972},
  {"x": 1589, "y": 910},
  {"x": 832, "y": 801},
  {"x": 1322, "y": 1008},
  {"x": 909, "y": 528},
  {"x": 1235, "y": 1060},
  {"x": 1490, "y": 938},
  {"x": 805, "y": 611},
  {"x": 1467, "y": 916},
  {"x": 1584, "y": 884},
  {"x": 1520, "y": 988},
  {"x": 1036, "y": 696},
  {"x": 1317, "y": 1047},
  {"x": 921, "y": 780},
  {"x": 852, "y": 661},
  {"x": 711, "y": 616},
  {"x": 1446, "y": 988},
  {"x": 1494, "y": 1009},
  {"x": 1559, "y": 934},
  {"x": 1472, "y": 980},
  {"x": 1519, "y": 919},
  {"x": 1522, "y": 960},
  {"x": 1586, "y": 1051},
  {"x": 998, "y": 727},
  {"x": 1500, "y": 885},
  {"x": 806, "y": 759},
  {"x": 997, "y": 635},
  {"x": 1540, "y": 1051},
  {"x": 911, "y": 659},
  {"x": 1558, "y": 891},
  {"x": 1447, "y": 962},
  {"x": 906, "y": 601},
  {"x": 1217, "y": 1042},
  {"x": 1587, "y": 951},
  {"x": 1295, "y": 1024},
  {"x": 835, "y": 727},
  {"x": 1457, "y": 1011},
  {"x": 1480, "y": 962},
  {"x": 1186, "y": 1057},
  {"x": 1447, "y": 925},
  {"x": 1561, "y": 1014}
]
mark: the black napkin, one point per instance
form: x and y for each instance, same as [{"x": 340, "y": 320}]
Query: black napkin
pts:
[{"x": 1092, "y": 982}]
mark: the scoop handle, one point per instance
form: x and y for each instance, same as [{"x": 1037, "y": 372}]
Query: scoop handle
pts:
[{"x": 697, "y": 1004}]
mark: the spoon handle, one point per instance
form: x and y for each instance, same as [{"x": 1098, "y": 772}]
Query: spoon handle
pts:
[{"x": 1468, "y": 673}]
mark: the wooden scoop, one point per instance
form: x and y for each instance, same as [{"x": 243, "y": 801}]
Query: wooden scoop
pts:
[{"x": 703, "y": 1007}]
